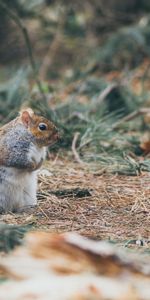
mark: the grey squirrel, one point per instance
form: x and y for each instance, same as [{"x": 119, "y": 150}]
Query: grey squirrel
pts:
[{"x": 23, "y": 143}]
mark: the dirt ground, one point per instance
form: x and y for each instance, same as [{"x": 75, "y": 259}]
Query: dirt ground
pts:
[{"x": 95, "y": 204}]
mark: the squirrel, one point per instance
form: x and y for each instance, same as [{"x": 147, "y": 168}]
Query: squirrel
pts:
[{"x": 23, "y": 144}]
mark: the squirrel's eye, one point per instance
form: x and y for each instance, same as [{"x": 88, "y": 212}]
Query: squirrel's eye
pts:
[{"x": 42, "y": 126}]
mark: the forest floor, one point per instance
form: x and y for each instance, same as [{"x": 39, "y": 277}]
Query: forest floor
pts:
[{"x": 99, "y": 205}]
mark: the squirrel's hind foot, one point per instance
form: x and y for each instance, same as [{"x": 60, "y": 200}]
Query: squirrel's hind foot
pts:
[{"x": 26, "y": 209}]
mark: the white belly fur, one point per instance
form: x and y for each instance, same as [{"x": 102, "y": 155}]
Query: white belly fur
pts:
[{"x": 18, "y": 187}]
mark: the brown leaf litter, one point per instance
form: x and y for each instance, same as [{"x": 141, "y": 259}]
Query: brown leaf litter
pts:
[{"x": 111, "y": 207}]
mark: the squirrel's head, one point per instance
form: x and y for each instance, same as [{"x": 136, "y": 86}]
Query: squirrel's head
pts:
[{"x": 43, "y": 130}]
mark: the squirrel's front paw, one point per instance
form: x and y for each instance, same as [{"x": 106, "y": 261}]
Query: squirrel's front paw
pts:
[
  {"x": 35, "y": 157},
  {"x": 35, "y": 165},
  {"x": 39, "y": 164}
]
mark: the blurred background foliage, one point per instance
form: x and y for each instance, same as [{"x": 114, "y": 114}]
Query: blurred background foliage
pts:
[{"x": 84, "y": 64}]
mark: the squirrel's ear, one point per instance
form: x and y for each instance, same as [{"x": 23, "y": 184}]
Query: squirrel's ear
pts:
[{"x": 26, "y": 117}]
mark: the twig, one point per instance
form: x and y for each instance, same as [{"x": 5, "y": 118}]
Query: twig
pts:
[
  {"x": 49, "y": 57},
  {"x": 131, "y": 116},
  {"x": 102, "y": 96},
  {"x": 73, "y": 147},
  {"x": 25, "y": 34},
  {"x": 106, "y": 92}
]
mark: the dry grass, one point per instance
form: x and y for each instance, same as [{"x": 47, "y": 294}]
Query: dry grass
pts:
[{"x": 118, "y": 207}]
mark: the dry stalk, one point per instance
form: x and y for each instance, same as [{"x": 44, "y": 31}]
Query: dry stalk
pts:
[{"x": 74, "y": 150}]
